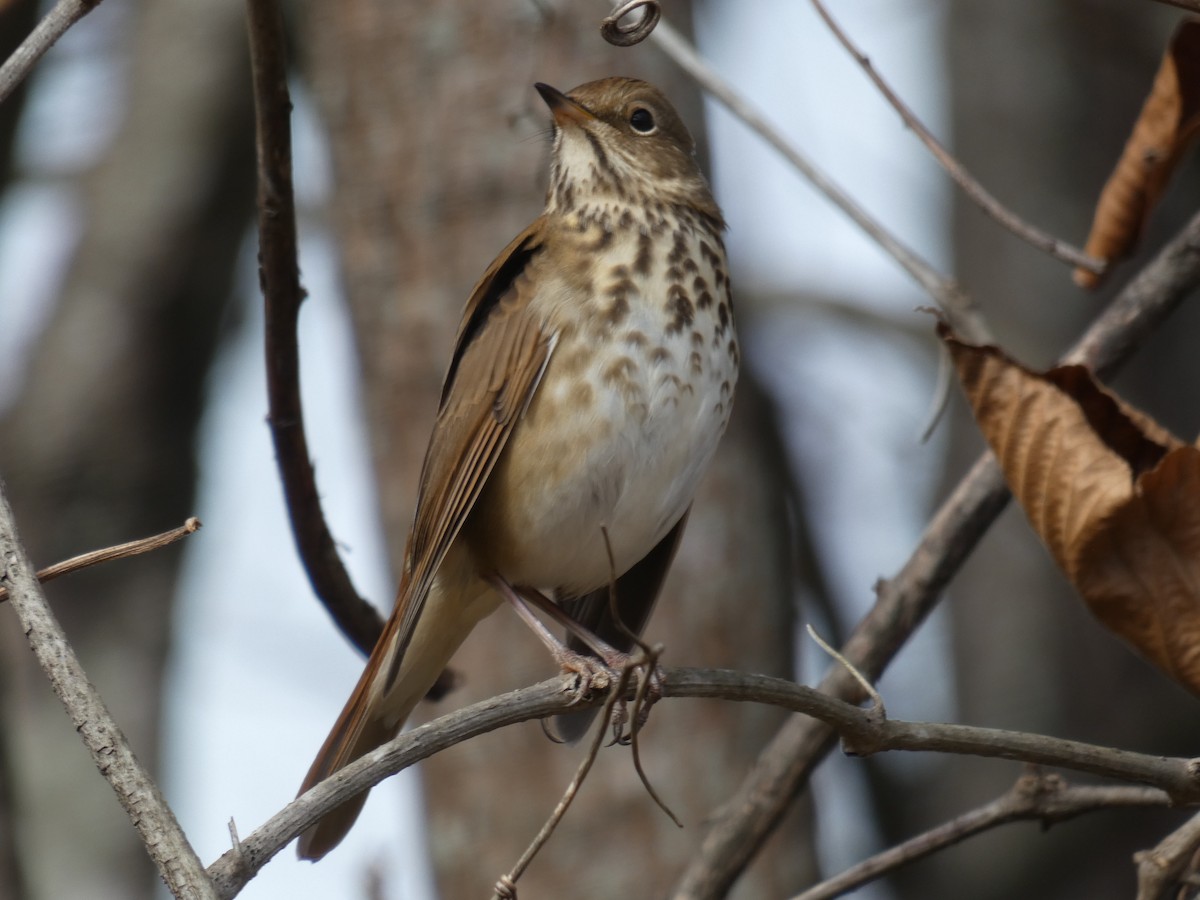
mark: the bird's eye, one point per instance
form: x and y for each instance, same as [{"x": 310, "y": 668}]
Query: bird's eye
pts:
[{"x": 641, "y": 120}]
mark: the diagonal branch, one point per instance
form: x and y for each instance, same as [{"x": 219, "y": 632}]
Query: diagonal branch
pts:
[
  {"x": 1044, "y": 798},
  {"x": 279, "y": 278},
  {"x": 971, "y": 187},
  {"x": 53, "y": 25},
  {"x": 904, "y": 601},
  {"x": 165, "y": 841},
  {"x": 945, "y": 291},
  {"x": 1177, "y": 779}
]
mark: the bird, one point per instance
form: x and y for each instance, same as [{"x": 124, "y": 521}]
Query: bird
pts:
[{"x": 591, "y": 378}]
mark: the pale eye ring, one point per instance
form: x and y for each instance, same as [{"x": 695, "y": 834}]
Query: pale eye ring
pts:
[{"x": 641, "y": 120}]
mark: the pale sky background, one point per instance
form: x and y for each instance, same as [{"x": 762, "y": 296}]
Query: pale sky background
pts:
[{"x": 254, "y": 692}]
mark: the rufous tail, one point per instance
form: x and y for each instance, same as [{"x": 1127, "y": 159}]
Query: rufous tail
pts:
[
  {"x": 358, "y": 731},
  {"x": 389, "y": 688}
]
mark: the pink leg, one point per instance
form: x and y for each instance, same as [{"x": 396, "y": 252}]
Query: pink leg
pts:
[{"x": 591, "y": 671}]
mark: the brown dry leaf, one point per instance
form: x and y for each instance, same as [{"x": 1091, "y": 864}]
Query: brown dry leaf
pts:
[
  {"x": 1114, "y": 496},
  {"x": 1169, "y": 120}
]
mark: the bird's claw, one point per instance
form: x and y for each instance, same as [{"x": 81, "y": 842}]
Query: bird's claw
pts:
[
  {"x": 650, "y": 691},
  {"x": 591, "y": 674}
]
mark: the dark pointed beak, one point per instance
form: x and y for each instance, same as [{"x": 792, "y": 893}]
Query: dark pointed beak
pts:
[{"x": 562, "y": 107}]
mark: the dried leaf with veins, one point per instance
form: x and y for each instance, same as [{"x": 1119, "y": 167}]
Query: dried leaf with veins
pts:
[
  {"x": 1114, "y": 496},
  {"x": 1169, "y": 121}
]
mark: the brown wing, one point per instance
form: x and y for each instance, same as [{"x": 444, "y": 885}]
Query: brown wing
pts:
[
  {"x": 499, "y": 357},
  {"x": 498, "y": 360}
]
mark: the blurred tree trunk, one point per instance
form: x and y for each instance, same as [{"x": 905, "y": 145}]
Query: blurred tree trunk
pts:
[
  {"x": 430, "y": 112},
  {"x": 99, "y": 447},
  {"x": 1043, "y": 97}
]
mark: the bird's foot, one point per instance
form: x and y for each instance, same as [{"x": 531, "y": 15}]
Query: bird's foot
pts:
[
  {"x": 616, "y": 669},
  {"x": 592, "y": 674}
]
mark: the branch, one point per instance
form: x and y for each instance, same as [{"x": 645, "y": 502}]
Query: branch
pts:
[
  {"x": 862, "y": 729},
  {"x": 108, "y": 554},
  {"x": 1046, "y": 798},
  {"x": 279, "y": 278},
  {"x": 165, "y": 841},
  {"x": 62, "y": 16},
  {"x": 960, "y": 309},
  {"x": 234, "y": 869},
  {"x": 506, "y": 886},
  {"x": 904, "y": 601},
  {"x": 864, "y": 732},
  {"x": 970, "y": 186},
  {"x": 1159, "y": 870},
  {"x": 1141, "y": 305}
]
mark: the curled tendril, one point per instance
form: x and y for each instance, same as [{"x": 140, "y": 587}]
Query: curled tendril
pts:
[{"x": 620, "y": 35}]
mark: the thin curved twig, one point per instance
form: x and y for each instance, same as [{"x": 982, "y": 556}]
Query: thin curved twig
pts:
[
  {"x": 108, "y": 554},
  {"x": 506, "y": 887},
  {"x": 164, "y": 840},
  {"x": 903, "y": 602},
  {"x": 1032, "y": 235},
  {"x": 53, "y": 26},
  {"x": 620, "y": 35},
  {"x": 1036, "y": 795},
  {"x": 941, "y": 395},
  {"x": 279, "y": 278},
  {"x": 862, "y": 729},
  {"x": 1062, "y": 250},
  {"x": 639, "y": 708},
  {"x": 877, "y": 704},
  {"x": 945, "y": 291}
]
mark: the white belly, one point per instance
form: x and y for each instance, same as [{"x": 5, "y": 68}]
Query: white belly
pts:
[{"x": 609, "y": 446}]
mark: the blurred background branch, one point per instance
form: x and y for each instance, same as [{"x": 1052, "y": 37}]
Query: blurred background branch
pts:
[{"x": 279, "y": 278}]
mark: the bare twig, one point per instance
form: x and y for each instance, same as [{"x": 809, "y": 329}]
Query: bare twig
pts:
[
  {"x": 279, "y": 277},
  {"x": 1141, "y": 305},
  {"x": 863, "y": 731},
  {"x": 108, "y": 554},
  {"x": 957, "y": 305},
  {"x": 970, "y": 186},
  {"x": 869, "y": 689},
  {"x": 233, "y": 870},
  {"x": 506, "y": 886},
  {"x": 904, "y": 601},
  {"x": 1046, "y": 798},
  {"x": 688, "y": 59},
  {"x": 941, "y": 395},
  {"x": 1159, "y": 870},
  {"x": 164, "y": 840},
  {"x": 620, "y": 35},
  {"x": 54, "y": 25},
  {"x": 649, "y": 666}
]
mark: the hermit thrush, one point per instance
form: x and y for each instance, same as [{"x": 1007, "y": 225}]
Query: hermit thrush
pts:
[{"x": 591, "y": 378}]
